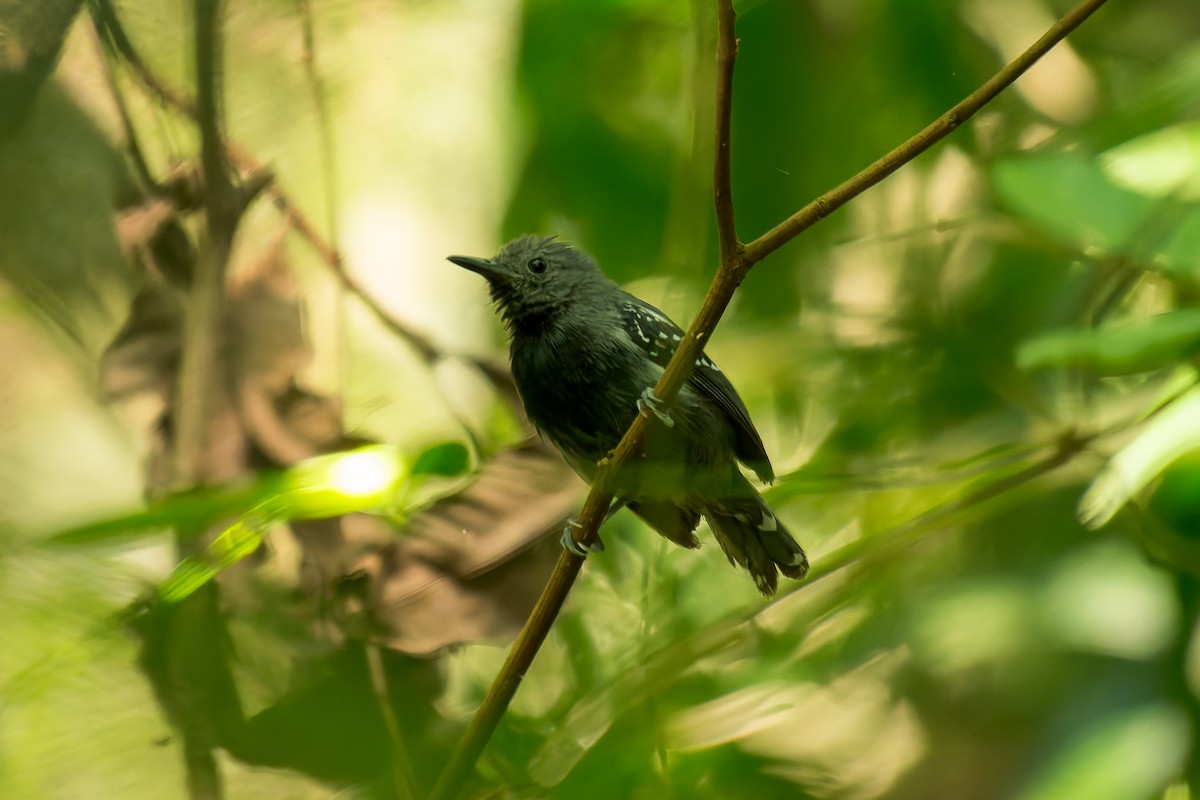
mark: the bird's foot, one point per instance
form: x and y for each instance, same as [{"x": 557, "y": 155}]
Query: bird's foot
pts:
[
  {"x": 649, "y": 404},
  {"x": 572, "y": 546}
]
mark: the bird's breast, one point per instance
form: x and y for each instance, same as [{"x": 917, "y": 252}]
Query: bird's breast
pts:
[{"x": 579, "y": 391}]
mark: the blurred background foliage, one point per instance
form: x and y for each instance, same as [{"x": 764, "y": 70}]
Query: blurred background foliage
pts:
[{"x": 977, "y": 381}]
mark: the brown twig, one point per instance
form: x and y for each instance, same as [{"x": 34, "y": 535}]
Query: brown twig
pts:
[
  {"x": 198, "y": 373},
  {"x": 735, "y": 263},
  {"x": 727, "y": 45},
  {"x": 197, "y": 396}
]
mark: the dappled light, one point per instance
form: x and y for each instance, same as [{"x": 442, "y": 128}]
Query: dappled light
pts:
[{"x": 282, "y": 516}]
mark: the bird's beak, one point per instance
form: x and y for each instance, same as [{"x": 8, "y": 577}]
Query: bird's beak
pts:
[{"x": 486, "y": 267}]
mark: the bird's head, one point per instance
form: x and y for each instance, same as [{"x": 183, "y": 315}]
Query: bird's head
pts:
[{"x": 535, "y": 278}]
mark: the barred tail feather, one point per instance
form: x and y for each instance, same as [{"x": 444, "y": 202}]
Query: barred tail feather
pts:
[{"x": 753, "y": 537}]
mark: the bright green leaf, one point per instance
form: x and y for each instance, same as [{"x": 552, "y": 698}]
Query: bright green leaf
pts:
[
  {"x": 449, "y": 459},
  {"x": 1164, "y": 163},
  {"x": 367, "y": 479},
  {"x": 1129, "y": 754},
  {"x": 235, "y": 543},
  {"x": 1166, "y": 437},
  {"x": 1069, "y": 196},
  {"x": 190, "y": 512},
  {"x": 1120, "y": 348}
]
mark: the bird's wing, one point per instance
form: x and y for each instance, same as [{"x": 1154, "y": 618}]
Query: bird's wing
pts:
[{"x": 656, "y": 335}]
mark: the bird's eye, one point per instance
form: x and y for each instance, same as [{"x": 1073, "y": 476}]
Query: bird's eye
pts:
[{"x": 537, "y": 265}]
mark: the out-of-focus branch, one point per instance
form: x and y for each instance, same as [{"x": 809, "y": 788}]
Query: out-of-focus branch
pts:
[
  {"x": 403, "y": 778},
  {"x": 496, "y": 373},
  {"x": 198, "y": 373},
  {"x": 324, "y": 128},
  {"x": 131, "y": 140},
  {"x": 107, "y": 17}
]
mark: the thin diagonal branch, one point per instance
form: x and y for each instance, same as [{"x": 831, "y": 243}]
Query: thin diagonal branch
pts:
[
  {"x": 107, "y": 15},
  {"x": 735, "y": 263},
  {"x": 937, "y": 130},
  {"x": 136, "y": 155}
]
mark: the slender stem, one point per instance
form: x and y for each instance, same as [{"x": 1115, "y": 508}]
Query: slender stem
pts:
[
  {"x": 136, "y": 156},
  {"x": 480, "y": 729},
  {"x": 199, "y": 370},
  {"x": 404, "y": 779},
  {"x": 324, "y": 126},
  {"x": 121, "y": 42},
  {"x": 200, "y": 382},
  {"x": 727, "y": 46},
  {"x": 735, "y": 263}
]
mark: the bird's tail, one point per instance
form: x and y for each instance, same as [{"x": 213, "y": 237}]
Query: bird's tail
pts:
[{"x": 753, "y": 537}]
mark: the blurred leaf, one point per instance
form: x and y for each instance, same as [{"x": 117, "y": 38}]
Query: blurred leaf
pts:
[
  {"x": 235, "y": 543},
  {"x": 1164, "y": 163},
  {"x": 1180, "y": 248},
  {"x": 58, "y": 245},
  {"x": 365, "y": 479},
  {"x": 31, "y": 36},
  {"x": 187, "y": 512},
  {"x": 471, "y": 565},
  {"x": 1127, "y": 755},
  {"x": 1108, "y": 599},
  {"x": 1172, "y": 433},
  {"x": 449, "y": 459},
  {"x": 1177, "y": 497},
  {"x": 1069, "y": 196},
  {"x": 1119, "y": 348}
]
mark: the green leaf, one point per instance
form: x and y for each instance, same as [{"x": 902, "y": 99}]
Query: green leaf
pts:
[
  {"x": 235, "y": 543},
  {"x": 1163, "y": 163},
  {"x": 449, "y": 459},
  {"x": 1069, "y": 196},
  {"x": 1120, "y": 348},
  {"x": 365, "y": 479},
  {"x": 1166, "y": 437},
  {"x": 187, "y": 513},
  {"x": 1128, "y": 754}
]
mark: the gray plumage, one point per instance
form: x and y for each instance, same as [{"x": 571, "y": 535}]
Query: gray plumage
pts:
[{"x": 583, "y": 352}]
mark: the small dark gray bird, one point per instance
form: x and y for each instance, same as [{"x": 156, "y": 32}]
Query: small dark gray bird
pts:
[{"x": 586, "y": 356}]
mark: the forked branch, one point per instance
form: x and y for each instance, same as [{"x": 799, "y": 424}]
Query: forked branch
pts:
[{"x": 735, "y": 262}]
